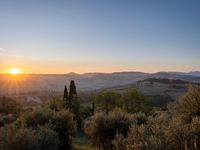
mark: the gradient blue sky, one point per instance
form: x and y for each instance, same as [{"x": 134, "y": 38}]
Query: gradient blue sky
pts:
[{"x": 60, "y": 36}]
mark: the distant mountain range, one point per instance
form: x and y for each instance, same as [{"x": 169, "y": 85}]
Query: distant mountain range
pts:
[{"x": 86, "y": 81}]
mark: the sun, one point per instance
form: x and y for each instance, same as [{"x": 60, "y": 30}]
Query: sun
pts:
[{"x": 15, "y": 71}]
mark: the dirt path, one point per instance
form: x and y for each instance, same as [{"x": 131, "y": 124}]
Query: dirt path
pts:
[{"x": 81, "y": 142}]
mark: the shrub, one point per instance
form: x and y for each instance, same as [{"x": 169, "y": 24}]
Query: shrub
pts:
[
  {"x": 133, "y": 101},
  {"x": 9, "y": 106},
  {"x": 149, "y": 136},
  {"x": 7, "y": 119},
  {"x": 161, "y": 132},
  {"x": 184, "y": 136},
  {"x": 188, "y": 104},
  {"x": 39, "y": 116},
  {"x": 47, "y": 138},
  {"x": 28, "y": 139},
  {"x": 62, "y": 123},
  {"x": 56, "y": 104},
  {"x": 102, "y": 128},
  {"x": 107, "y": 100}
]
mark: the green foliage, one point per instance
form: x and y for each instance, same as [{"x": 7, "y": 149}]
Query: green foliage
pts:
[
  {"x": 102, "y": 128},
  {"x": 148, "y": 135},
  {"x": 86, "y": 112},
  {"x": 39, "y": 116},
  {"x": 125, "y": 128},
  {"x": 25, "y": 139},
  {"x": 179, "y": 129},
  {"x": 160, "y": 101},
  {"x": 76, "y": 109},
  {"x": 133, "y": 101},
  {"x": 188, "y": 104},
  {"x": 56, "y": 104},
  {"x": 107, "y": 100},
  {"x": 44, "y": 138},
  {"x": 7, "y": 119},
  {"x": 47, "y": 138},
  {"x": 9, "y": 110},
  {"x": 166, "y": 81},
  {"x": 62, "y": 123},
  {"x": 9, "y": 106},
  {"x": 139, "y": 118}
]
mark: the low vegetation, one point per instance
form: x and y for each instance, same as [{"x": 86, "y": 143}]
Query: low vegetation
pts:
[{"x": 111, "y": 121}]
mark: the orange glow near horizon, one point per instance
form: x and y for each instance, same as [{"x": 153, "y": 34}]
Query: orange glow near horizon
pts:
[
  {"x": 57, "y": 68},
  {"x": 15, "y": 71}
]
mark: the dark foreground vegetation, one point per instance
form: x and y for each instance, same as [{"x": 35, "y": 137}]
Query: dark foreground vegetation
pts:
[{"x": 112, "y": 121}]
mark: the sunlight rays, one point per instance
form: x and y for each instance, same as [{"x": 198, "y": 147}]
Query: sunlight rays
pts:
[{"x": 15, "y": 71}]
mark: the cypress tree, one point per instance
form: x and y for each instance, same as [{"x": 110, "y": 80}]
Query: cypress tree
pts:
[
  {"x": 72, "y": 90},
  {"x": 93, "y": 107},
  {"x": 65, "y": 93}
]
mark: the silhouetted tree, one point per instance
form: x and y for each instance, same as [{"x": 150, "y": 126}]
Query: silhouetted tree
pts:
[
  {"x": 93, "y": 108},
  {"x": 72, "y": 90},
  {"x": 72, "y": 103},
  {"x": 65, "y": 93}
]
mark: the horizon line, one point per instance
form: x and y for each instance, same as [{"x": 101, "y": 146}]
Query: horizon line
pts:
[{"x": 102, "y": 72}]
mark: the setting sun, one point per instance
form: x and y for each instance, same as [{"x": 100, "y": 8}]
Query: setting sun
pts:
[{"x": 15, "y": 71}]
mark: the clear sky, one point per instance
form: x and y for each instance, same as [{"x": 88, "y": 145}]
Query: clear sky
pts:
[{"x": 60, "y": 36}]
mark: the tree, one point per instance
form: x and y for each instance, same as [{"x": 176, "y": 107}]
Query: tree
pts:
[
  {"x": 102, "y": 128},
  {"x": 107, "y": 100},
  {"x": 62, "y": 123},
  {"x": 65, "y": 93},
  {"x": 133, "y": 101},
  {"x": 72, "y": 90}
]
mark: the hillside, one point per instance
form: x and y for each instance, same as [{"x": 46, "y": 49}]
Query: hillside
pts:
[
  {"x": 159, "y": 90},
  {"x": 86, "y": 82},
  {"x": 35, "y": 88}
]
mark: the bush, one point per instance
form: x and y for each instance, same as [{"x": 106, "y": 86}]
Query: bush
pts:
[
  {"x": 188, "y": 104},
  {"x": 107, "y": 100},
  {"x": 56, "y": 104},
  {"x": 44, "y": 138},
  {"x": 62, "y": 123},
  {"x": 184, "y": 136},
  {"x": 7, "y": 119},
  {"x": 102, "y": 128},
  {"x": 39, "y": 116},
  {"x": 133, "y": 101},
  {"x": 64, "y": 126},
  {"x": 9, "y": 106},
  {"x": 146, "y": 136},
  {"x": 161, "y": 131},
  {"x": 47, "y": 138}
]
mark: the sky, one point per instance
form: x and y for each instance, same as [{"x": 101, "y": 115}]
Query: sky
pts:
[{"x": 61, "y": 36}]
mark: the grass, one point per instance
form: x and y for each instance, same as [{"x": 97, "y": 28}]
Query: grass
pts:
[{"x": 82, "y": 142}]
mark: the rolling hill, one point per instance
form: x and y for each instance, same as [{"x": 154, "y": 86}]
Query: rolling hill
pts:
[{"x": 85, "y": 82}]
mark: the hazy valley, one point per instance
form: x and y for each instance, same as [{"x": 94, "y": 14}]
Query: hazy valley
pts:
[{"x": 34, "y": 89}]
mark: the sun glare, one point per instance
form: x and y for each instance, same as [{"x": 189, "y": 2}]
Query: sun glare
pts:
[{"x": 15, "y": 71}]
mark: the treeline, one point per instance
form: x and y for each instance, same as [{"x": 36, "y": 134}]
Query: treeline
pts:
[
  {"x": 113, "y": 121},
  {"x": 167, "y": 81}
]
